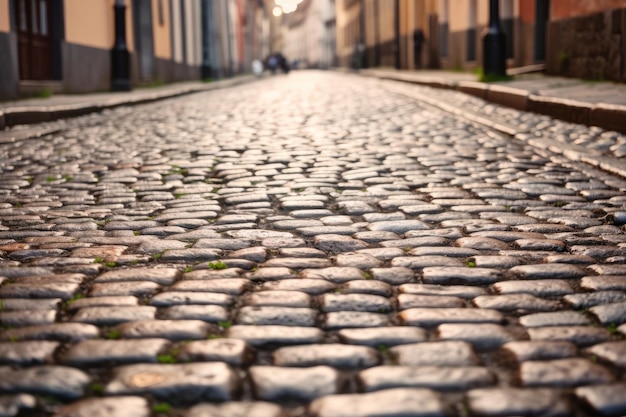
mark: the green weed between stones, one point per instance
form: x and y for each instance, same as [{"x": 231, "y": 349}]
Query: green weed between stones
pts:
[
  {"x": 217, "y": 265},
  {"x": 612, "y": 328},
  {"x": 470, "y": 262},
  {"x": 97, "y": 388},
  {"x": 162, "y": 408},
  {"x": 166, "y": 359},
  {"x": 224, "y": 324},
  {"x": 113, "y": 335},
  {"x": 189, "y": 269}
]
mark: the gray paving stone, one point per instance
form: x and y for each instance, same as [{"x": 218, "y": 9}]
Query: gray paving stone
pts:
[
  {"x": 452, "y": 353},
  {"x": 393, "y": 275},
  {"x": 300, "y": 384},
  {"x": 167, "y": 329},
  {"x": 612, "y": 352},
  {"x": 275, "y": 335},
  {"x": 429, "y": 241},
  {"x": 481, "y": 336},
  {"x": 439, "y": 378},
  {"x": 237, "y": 409},
  {"x": 547, "y": 271},
  {"x": 515, "y": 302},
  {"x": 61, "y": 332},
  {"x": 177, "y": 383},
  {"x": 135, "y": 288},
  {"x": 279, "y": 299},
  {"x": 517, "y": 401},
  {"x": 297, "y": 263},
  {"x": 526, "y": 350},
  {"x": 366, "y": 286},
  {"x": 354, "y": 302},
  {"x": 382, "y": 336},
  {"x": 107, "y": 316},
  {"x": 449, "y": 251},
  {"x": 540, "y": 288},
  {"x": 58, "y": 381},
  {"x": 557, "y": 318},
  {"x": 11, "y": 405},
  {"x": 309, "y": 286},
  {"x": 103, "y": 352},
  {"x": 338, "y": 242},
  {"x": 397, "y": 402},
  {"x": 578, "y": 335},
  {"x": 22, "y": 304},
  {"x": 357, "y": 260},
  {"x": 406, "y": 301},
  {"x": 208, "y": 313},
  {"x": 602, "y": 283},
  {"x": 435, "y": 316},
  {"x": 607, "y": 400},
  {"x": 421, "y": 262},
  {"x": 166, "y": 299},
  {"x": 234, "y": 352},
  {"x": 112, "y": 301},
  {"x": 229, "y": 286},
  {"x": 274, "y": 315},
  {"x": 351, "y": 319},
  {"x": 336, "y": 274},
  {"x": 219, "y": 243},
  {"x": 455, "y": 275},
  {"x": 271, "y": 274},
  {"x": 27, "y": 318},
  {"x": 461, "y": 291},
  {"x": 563, "y": 373},
  {"x": 60, "y": 290},
  {"x": 121, "y": 406},
  {"x": 614, "y": 313},
  {"x": 332, "y": 354},
  {"x": 493, "y": 261},
  {"x": 27, "y": 353}
]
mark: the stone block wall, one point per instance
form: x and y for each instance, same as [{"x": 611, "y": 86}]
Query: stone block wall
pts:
[{"x": 590, "y": 47}]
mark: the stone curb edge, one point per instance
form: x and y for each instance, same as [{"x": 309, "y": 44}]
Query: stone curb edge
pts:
[
  {"x": 606, "y": 116},
  {"x": 570, "y": 151},
  {"x": 13, "y": 116}
]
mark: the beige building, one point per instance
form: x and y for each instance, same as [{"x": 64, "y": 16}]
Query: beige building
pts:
[{"x": 68, "y": 45}]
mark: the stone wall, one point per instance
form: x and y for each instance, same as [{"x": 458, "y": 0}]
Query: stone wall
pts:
[{"x": 590, "y": 47}]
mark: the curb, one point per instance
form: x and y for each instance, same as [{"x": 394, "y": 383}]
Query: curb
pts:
[
  {"x": 606, "y": 116},
  {"x": 13, "y": 116}
]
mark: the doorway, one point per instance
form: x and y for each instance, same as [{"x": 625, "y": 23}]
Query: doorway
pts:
[
  {"x": 142, "y": 16},
  {"x": 542, "y": 16},
  {"x": 33, "y": 19}
]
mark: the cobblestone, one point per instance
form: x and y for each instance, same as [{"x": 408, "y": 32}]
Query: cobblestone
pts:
[{"x": 276, "y": 251}]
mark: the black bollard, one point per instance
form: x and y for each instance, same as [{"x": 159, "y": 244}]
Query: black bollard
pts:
[
  {"x": 494, "y": 44},
  {"x": 120, "y": 58}
]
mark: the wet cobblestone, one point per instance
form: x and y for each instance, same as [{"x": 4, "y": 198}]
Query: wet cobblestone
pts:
[{"x": 271, "y": 250}]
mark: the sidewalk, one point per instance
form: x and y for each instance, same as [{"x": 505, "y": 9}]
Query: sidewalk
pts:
[
  {"x": 37, "y": 110},
  {"x": 590, "y": 103}
]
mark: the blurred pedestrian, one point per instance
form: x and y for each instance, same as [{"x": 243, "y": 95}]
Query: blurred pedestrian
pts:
[
  {"x": 272, "y": 63},
  {"x": 418, "y": 43}
]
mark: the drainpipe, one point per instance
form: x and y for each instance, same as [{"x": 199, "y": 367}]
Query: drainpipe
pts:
[{"x": 120, "y": 58}]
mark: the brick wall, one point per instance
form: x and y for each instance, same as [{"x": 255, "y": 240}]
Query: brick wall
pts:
[{"x": 590, "y": 47}]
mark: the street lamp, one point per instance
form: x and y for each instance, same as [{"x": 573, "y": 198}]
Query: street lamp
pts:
[
  {"x": 494, "y": 44},
  {"x": 120, "y": 59}
]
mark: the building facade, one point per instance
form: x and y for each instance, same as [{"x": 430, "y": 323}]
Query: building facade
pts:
[
  {"x": 447, "y": 34},
  {"x": 65, "y": 46}
]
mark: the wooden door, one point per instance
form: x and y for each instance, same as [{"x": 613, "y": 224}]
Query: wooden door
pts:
[{"x": 34, "y": 39}]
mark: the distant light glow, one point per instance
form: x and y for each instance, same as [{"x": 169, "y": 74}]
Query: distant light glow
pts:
[
  {"x": 288, "y": 6},
  {"x": 277, "y": 11}
]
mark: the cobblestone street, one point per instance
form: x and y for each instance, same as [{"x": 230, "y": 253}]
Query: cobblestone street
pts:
[{"x": 317, "y": 244}]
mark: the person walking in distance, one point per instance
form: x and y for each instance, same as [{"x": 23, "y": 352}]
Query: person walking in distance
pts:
[{"x": 418, "y": 43}]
